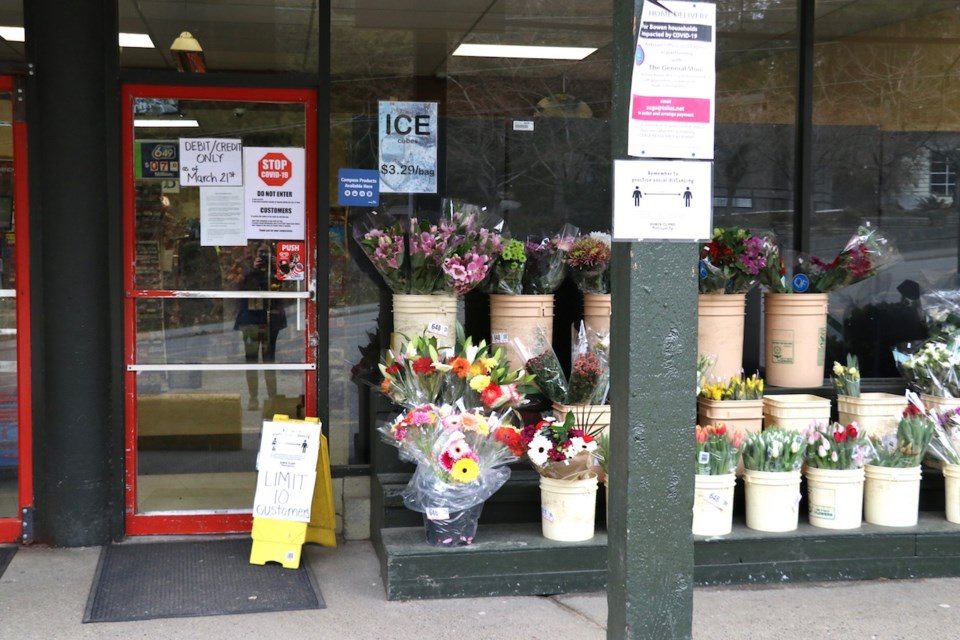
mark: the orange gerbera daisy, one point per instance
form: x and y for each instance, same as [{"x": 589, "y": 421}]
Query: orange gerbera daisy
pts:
[{"x": 461, "y": 367}]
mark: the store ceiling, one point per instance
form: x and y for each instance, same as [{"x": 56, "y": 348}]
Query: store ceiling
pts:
[{"x": 388, "y": 38}]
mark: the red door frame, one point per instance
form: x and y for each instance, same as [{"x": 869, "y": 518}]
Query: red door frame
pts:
[
  {"x": 147, "y": 524},
  {"x": 12, "y": 528}
]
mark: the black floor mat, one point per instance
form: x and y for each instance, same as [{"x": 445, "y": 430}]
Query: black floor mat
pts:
[
  {"x": 182, "y": 579},
  {"x": 6, "y": 555}
]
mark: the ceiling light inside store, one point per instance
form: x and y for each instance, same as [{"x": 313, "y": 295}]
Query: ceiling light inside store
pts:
[
  {"x": 12, "y": 34},
  {"x": 519, "y": 51},
  {"x": 167, "y": 123},
  {"x": 136, "y": 41},
  {"x": 130, "y": 40}
]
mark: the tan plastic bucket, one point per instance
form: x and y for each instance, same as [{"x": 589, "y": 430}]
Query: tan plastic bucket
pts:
[
  {"x": 720, "y": 332},
  {"x": 795, "y": 338},
  {"x": 795, "y": 411},
  {"x": 713, "y": 504},
  {"x": 746, "y": 415},
  {"x": 568, "y": 508},
  {"x": 529, "y": 318},
  {"x": 413, "y": 315},
  {"x": 772, "y": 499},
  {"x": 891, "y": 496},
  {"x": 876, "y": 414},
  {"x": 835, "y": 497},
  {"x": 596, "y": 312}
]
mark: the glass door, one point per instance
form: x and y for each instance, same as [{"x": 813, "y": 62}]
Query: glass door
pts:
[
  {"x": 219, "y": 191},
  {"x": 16, "y": 482}
]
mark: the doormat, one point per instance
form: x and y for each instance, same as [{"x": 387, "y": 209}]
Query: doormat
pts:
[
  {"x": 144, "y": 581},
  {"x": 6, "y": 555}
]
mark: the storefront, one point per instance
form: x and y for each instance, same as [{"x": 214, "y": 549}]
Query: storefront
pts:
[{"x": 132, "y": 393}]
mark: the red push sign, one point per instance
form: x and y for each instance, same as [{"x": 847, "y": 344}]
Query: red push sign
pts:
[{"x": 275, "y": 169}]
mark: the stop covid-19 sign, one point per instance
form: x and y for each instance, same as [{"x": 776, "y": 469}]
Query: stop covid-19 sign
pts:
[
  {"x": 275, "y": 169},
  {"x": 275, "y": 192}
]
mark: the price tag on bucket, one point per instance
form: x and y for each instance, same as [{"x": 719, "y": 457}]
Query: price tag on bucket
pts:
[
  {"x": 499, "y": 337},
  {"x": 718, "y": 501},
  {"x": 438, "y": 513},
  {"x": 703, "y": 458},
  {"x": 438, "y": 329}
]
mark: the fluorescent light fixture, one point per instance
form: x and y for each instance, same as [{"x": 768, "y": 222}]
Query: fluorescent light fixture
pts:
[
  {"x": 167, "y": 123},
  {"x": 12, "y": 34},
  {"x": 131, "y": 40},
  {"x": 136, "y": 41},
  {"x": 518, "y": 51}
]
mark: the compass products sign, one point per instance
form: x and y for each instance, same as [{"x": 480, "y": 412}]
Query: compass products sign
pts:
[{"x": 408, "y": 147}]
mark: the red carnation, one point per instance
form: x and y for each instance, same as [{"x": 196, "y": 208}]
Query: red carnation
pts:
[
  {"x": 393, "y": 369},
  {"x": 491, "y": 394},
  {"x": 423, "y": 365}
]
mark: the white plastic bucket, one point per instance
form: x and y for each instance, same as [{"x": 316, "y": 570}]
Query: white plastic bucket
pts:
[
  {"x": 835, "y": 497},
  {"x": 529, "y": 318},
  {"x": 568, "y": 508},
  {"x": 713, "y": 504},
  {"x": 876, "y": 414},
  {"x": 433, "y": 315},
  {"x": 594, "y": 418},
  {"x": 891, "y": 496},
  {"x": 795, "y": 338},
  {"x": 796, "y": 411},
  {"x": 951, "y": 485},
  {"x": 596, "y": 312},
  {"x": 720, "y": 331},
  {"x": 772, "y": 499}
]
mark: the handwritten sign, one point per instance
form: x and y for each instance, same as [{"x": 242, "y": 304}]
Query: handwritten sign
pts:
[
  {"x": 287, "y": 470},
  {"x": 211, "y": 161}
]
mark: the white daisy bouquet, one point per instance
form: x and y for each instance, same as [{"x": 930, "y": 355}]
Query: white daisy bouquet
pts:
[
  {"x": 561, "y": 450},
  {"x": 933, "y": 369}
]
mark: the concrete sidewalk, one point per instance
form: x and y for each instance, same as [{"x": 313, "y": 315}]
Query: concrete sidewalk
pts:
[{"x": 44, "y": 591}]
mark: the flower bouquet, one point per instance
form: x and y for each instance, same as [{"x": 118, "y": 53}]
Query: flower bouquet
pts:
[
  {"x": 846, "y": 379},
  {"x": 772, "y": 459},
  {"x": 507, "y": 274},
  {"x": 428, "y": 248},
  {"x": 933, "y": 369},
  {"x": 589, "y": 262},
  {"x": 477, "y": 244},
  {"x": 945, "y": 447},
  {"x": 737, "y": 403},
  {"x": 381, "y": 236},
  {"x": 836, "y": 455},
  {"x": 460, "y": 462},
  {"x": 892, "y": 492},
  {"x": 732, "y": 261},
  {"x": 567, "y": 458},
  {"x": 941, "y": 310},
  {"x": 717, "y": 450},
  {"x": 547, "y": 261}
]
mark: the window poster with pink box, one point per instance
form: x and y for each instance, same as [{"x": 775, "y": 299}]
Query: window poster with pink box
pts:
[{"x": 674, "y": 79}]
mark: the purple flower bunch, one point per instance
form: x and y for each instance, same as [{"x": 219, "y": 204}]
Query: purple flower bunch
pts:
[
  {"x": 429, "y": 245},
  {"x": 470, "y": 262},
  {"x": 382, "y": 239}
]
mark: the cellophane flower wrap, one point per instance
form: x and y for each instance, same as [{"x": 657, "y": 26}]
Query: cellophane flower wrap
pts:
[
  {"x": 561, "y": 450},
  {"x": 933, "y": 368},
  {"x": 547, "y": 261},
  {"x": 945, "y": 444},
  {"x": 475, "y": 247},
  {"x": 846, "y": 379},
  {"x": 736, "y": 388},
  {"x": 908, "y": 446},
  {"x": 541, "y": 361},
  {"x": 589, "y": 380},
  {"x": 479, "y": 376},
  {"x": 460, "y": 458},
  {"x": 474, "y": 377},
  {"x": 717, "y": 450},
  {"x": 382, "y": 237},
  {"x": 589, "y": 262},
  {"x": 732, "y": 261},
  {"x": 839, "y": 447},
  {"x": 774, "y": 449},
  {"x": 507, "y": 274},
  {"x": 941, "y": 311}
]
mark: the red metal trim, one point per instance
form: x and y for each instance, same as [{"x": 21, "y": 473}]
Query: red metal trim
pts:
[
  {"x": 12, "y": 528},
  {"x": 146, "y": 524}
]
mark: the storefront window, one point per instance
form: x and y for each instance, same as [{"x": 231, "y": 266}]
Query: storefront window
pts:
[
  {"x": 885, "y": 150},
  {"x": 528, "y": 139}
]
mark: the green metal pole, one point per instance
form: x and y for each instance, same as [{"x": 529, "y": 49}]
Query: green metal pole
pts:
[{"x": 654, "y": 328}]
